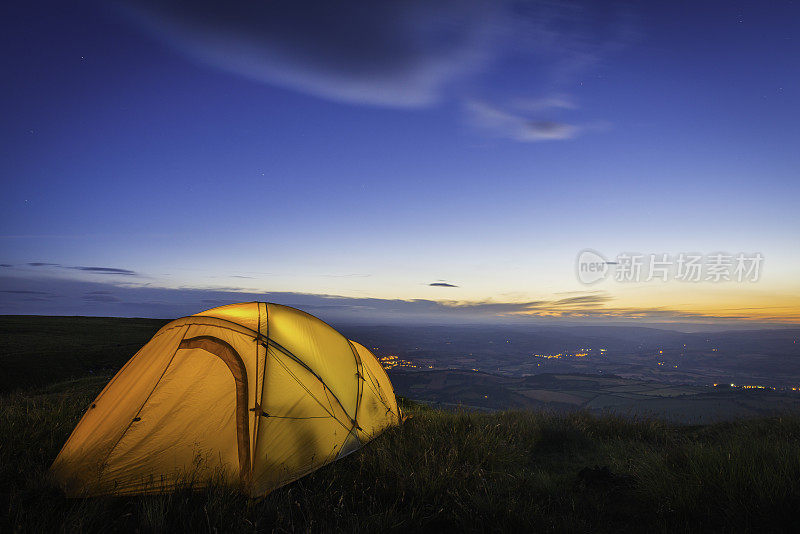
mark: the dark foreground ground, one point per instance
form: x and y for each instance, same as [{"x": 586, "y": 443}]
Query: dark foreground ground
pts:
[{"x": 442, "y": 470}]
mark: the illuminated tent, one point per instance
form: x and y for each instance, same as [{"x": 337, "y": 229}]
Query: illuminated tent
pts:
[{"x": 251, "y": 395}]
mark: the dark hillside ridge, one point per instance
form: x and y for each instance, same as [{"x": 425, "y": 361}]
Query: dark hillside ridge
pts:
[{"x": 38, "y": 350}]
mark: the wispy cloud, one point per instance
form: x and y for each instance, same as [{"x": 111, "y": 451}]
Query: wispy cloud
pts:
[
  {"x": 518, "y": 127},
  {"x": 544, "y": 104},
  {"x": 441, "y": 284},
  {"x": 400, "y": 53},
  {"x": 105, "y": 270},
  {"x": 347, "y": 275},
  {"x": 100, "y": 296},
  {"x": 584, "y": 300},
  {"x": 96, "y": 270},
  {"x": 387, "y": 53}
]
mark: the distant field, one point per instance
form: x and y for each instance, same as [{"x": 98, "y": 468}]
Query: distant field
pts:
[
  {"x": 454, "y": 470},
  {"x": 36, "y": 350},
  {"x": 594, "y": 393}
]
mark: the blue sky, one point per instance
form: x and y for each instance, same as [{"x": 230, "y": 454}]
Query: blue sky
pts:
[{"x": 367, "y": 152}]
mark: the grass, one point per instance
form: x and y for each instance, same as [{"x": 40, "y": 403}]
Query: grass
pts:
[
  {"x": 443, "y": 470},
  {"x": 41, "y": 350},
  {"x": 439, "y": 471}
]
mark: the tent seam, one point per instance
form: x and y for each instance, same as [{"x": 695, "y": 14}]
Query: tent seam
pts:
[
  {"x": 288, "y": 353},
  {"x": 359, "y": 380},
  {"x": 127, "y": 428},
  {"x": 300, "y": 383}
]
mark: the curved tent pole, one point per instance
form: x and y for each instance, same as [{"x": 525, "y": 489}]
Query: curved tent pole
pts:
[{"x": 228, "y": 354}]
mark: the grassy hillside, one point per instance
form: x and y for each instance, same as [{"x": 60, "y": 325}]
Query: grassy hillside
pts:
[
  {"x": 40, "y": 350},
  {"x": 471, "y": 471},
  {"x": 467, "y": 471}
]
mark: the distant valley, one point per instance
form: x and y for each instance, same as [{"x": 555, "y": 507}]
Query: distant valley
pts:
[{"x": 684, "y": 377}]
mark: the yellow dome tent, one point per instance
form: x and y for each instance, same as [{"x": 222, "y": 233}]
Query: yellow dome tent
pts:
[{"x": 251, "y": 395}]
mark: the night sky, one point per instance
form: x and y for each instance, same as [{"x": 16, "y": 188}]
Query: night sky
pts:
[{"x": 396, "y": 159}]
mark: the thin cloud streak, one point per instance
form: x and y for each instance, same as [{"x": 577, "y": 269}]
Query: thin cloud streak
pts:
[
  {"x": 585, "y": 300},
  {"x": 499, "y": 123},
  {"x": 105, "y": 270},
  {"x": 95, "y": 270},
  {"x": 544, "y": 104}
]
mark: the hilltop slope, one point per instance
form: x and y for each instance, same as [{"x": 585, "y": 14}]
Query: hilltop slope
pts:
[
  {"x": 520, "y": 470},
  {"x": 470, "y": 471}
]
